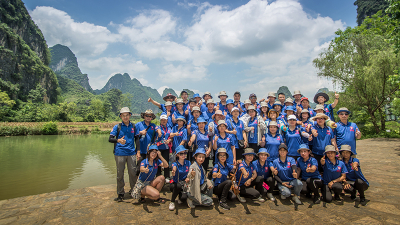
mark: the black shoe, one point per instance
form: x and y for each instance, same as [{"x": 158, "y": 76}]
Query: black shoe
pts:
[
  {"x": 337, "y": 198},
  {"x": 120, "y": 198},
  {"x": 308, "y": 195},
  {"x": 362, "y": 200},
  {"x": 353, "y": 196},
  {"x": 317, "y": 199},
  {"x": 224, "y": 205}
]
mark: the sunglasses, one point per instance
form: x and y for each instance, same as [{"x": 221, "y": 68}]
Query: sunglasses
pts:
[
  {"x": 253, "y": 98},
  {"x": 147, "y": 116},
  {"x": 182, "y": 153}
]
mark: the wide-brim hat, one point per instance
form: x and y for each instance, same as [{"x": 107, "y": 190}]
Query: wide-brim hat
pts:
[
  {"x": 168, "y": 96},
  {"x": 222, "y": 93},
  {"x": 181, "y": 118},
  {"x": 148, "y": 112},
  {"x": 326, "y": 96},
  {"x": 251, "y": 107},
  {"x": 218, "y": 112},
  {"x": 179, "y": 101},
  {"x": 273, "y": 111},
  {"x": 196, "y": 108},
  {"x": 288, "y": 100},
  {"x": 271, "y": 94},
  {"x": 329, "y": 148},
  {"x": 199, "y": 151},
  {"x": 221, "y": 150},
  {"x": 320, "y": 115},
  {"x": 297, "y": 92},
  {"x": 263, "y": 150},
  {"x": 249, "y": 151},
  {"x": 207, "y": 93},
  {"x": 125, "y": 110},
  {"x": 210, "y": 101},
  {"x": 220, "y": 122},
  {"x": 289, "y": 108},
  {"x": 168, "y": 103},
  {"x": 319, "y": 107},
  {"x": 303, "y": 147},
  {"x": 346, "y": 148},
  {"x": 343, "y": 109},
  {"x": 272, "y": 123},
  {"x": 264, "y": 104},
  {"x": 201, "y": 120},
  {"x": 196, "y": 95},
  {"x": 180, "y": 148}
]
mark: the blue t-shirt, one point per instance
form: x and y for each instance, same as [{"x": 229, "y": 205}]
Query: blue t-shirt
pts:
[
  {"x": 272, "y": 145},
  {"x": 181, "y": 170},
  {"x": 152, "y": 170},
  {"x": 249, "y": 168},
  {"x": 252, "y": 135},
  {"x": 173, "y": 108},
  {"x": 145, "y": 140},
  {"x": 309, "y": 163},
  {"x": 262, "y": 170},
  {"x": 293, "y": 140},
  {"x": 165, "y": 131},
  {"x": 239, "y": 127},
  {"x": 203, "y": 107},
  {"x": 227, "y": 144},
  {"x": 129, "y": 147},
  {"x": 207, "y": 115},
  {"x": 222, "y": 107},
  {"x": 329, "y": 111},
  {"x": 346, "y": 135},
  {"x": 284, "y": 168},
  {"x": 193, "y": 125},
  {"x": 170, "y": 124},
  {"x": 353, "y": 175},
  {"x": 176, "y": 140},
  {"x": 324, "y": 138},
  {"x": 333, "y": 171},
  {"x": 177, "y": 114},
  {"x": 202, "y": 139},
  {"x": 224, "y": 171}
]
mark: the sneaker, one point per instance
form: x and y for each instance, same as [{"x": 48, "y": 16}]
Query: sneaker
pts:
[
  {"x": 190, "y": 203},
  {"x": 171, "y": 206},
  {"x": 241, "y": 199},
  {"x": 259, "y": 199},
  {"x": 271, "y": 196},
  {"x": 317, "y": 199},
  {"x": 120, "y": 198},
  {"x": 167, "y": 180},
  {"x": 296, "y": 200},
  {"x": 283, "y": 197},
  {"x": 337, "y": 198},
  {"x": 224, "y": 205},
  {"x": 179, "y": 201}
]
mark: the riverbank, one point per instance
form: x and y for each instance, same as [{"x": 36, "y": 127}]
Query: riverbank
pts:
[{"x": 379, "y": 162}]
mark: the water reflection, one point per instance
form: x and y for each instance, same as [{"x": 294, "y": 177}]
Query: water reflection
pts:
[{"x": 38, "y": 164}]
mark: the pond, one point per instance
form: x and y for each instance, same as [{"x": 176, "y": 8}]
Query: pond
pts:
[{"x": 31, "y": 165}]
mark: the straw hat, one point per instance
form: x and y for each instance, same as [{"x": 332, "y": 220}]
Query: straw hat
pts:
[
  {"x": 320, "y": 115},
  {"x": 218, "y": 112}
]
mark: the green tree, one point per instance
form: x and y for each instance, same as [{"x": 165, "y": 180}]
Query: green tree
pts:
[
  {"x": 97, "y": 109},
  {"x": 367, "y": 8},
  {"x": 360, "y": 61},
  {"x": 6, "y": 104}
]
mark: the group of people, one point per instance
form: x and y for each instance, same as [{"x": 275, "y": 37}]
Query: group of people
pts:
[{"x": 254, "y": 148}]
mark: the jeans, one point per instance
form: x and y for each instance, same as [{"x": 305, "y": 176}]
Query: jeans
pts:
[
  {"x": 131, "y": 165},
  {"x": 286, "y": 192},
  {"x": 206, "y": 199}
]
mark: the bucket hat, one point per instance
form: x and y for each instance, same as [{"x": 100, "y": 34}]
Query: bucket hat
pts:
[
  {"x": 343, "y": 109},
  {"x": 181, "y": 118},
  {"x": 199, "y": 151},
  {"x": 303, "y": 147},
  {"x": 271, "y": 94},
  {"x": 207, "y": 93},
  {"x": 329, "y": 148},
  {"x": 249, "y": 151},
  {"x": 326, "y": 96},
  {"x": 218, "y": 112},
  {"x": 125, "y": 110},
  {"x": 169, "y": 95},
  {"x": 148, "y": 112},
  {"x": 345, "y": 148},
  {"x": 263, "y": 150},
  {"x": 222, "y": 93}
]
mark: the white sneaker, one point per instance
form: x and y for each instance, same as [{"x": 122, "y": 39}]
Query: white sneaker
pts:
[
  {"x": 283, "y": 197},
  {"x": 259, "y": 199},
  {"x": 179, "y": 201},
  {"x": 171, "y": 206},
  {"x": 271, "y": 197},
  {"x": 190, "y": 203},
  {"x": 241, "y": 199},
  {"x": 167, "y": 180},
  {"x": 296, "y": 200}
]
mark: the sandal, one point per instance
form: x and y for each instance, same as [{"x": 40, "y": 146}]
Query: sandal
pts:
[{"x": 160, "y": 200}]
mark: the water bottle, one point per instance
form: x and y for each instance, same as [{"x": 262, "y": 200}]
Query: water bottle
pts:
[
  {"x": 252, "y": 134},
  {"x": 235, "y": 184}
]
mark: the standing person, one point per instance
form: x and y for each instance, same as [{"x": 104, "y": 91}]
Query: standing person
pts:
[
  {"x": 284, "y": 168},
  {"x": 185, "y": 99},
  {"x": 200, "y": 188},
  {"x": 201, "y": 139},
  {"x": 272, "y": 140},
  {"x": 322, "y": 136},
  {"x": 271, "y": 99},
  {"x": 273, "y": 115},
  {"x": 212, "y": 126},
  {"x": 307, "y": 123},
  {"x": 293, "y": 137},
  {"x": 281, "y": 98},
  {"x": 237, "y": 103},
  {"x": 178, "y": 133},
  {"x": 262, "y": 166},
  {"x": 263, "y": 112},
  {"x": 246, "y": 177},
  {"x": 221, "y": 105},
  {"x": 255, "y": 128},
  {"x": 229, "y": 106},
  {"x": 334, "y": 174},
  {"x": 197, "y": 98},
  {"x": 125, "y": 151},
  {"x": 312, "y": 180},
  {"x": 207, "y": 95},
  {"x": 220, "y": 175},
  {"x": 179, "y": 110},
  {"x": 146, "y": 131},
  {"x": 278, "y": 108},
  {"x": 321, "y": 98},
  {"x": 188, "y": 111},
  {"x": 253, "y": 100},
  {"x": 192, "y": 124},
  {"x": 208, "y": 114},
  {"x": 237, "y": 128},
  {"x": 224, "y": 140},
  {"x": 162, "y": 142},
  {"x": 355, "y": 180},
  {"x": 346, "y": 132},
  {"x": 168, "y": 98},
  {"x": 180, "y": 170},
  {"x": 148, "y": 171},
  {"x": 305, "y": 104},
  {"x": 297, "y": 99},
  {"x": 246, "y": 103}
]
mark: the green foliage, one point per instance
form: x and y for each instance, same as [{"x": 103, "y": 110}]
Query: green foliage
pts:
[
  {"x": 6, "y": 104},
  {"x": 394, "y": 11},
  {"x": 50, "y": 128},
  {"x": 366, "y": 8}
]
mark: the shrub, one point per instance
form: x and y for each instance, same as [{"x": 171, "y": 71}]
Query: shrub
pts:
[{"x": 50, "y": 128}]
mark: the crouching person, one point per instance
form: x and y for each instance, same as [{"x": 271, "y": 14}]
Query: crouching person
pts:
[
  {"x": 201, "y": 188},
  {"x": 180, "y": 170}
]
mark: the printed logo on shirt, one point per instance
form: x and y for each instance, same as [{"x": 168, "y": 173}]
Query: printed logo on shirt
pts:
[
  {"x": 309, "y": 165},
  {"x": 278, "y": 138},
  {"x": 142, "y": 164},
  {"x": 326, "y": 110},
  {"x": 132, "y": 131},
  {"x": 227, "y": 140},
  {"x": 351, "y": 129},
  {"x": 328, "y": 132},
  {"x": 215, "y": 169},
  {"x": 187, "y": 169},
  {"x": 297, "y": 132},
  {"x": 266, "y": 169},
  {"x": 288, "y": 164},
  {"x": 338, "y": 169},
  {"x": 241, "y": 164},
  {"x": 180, "y": 133},
  {"x": 192, "y": 132}
]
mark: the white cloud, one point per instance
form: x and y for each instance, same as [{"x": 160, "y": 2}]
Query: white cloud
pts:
[
  {"x": 182, "y": 73},
  {"x": 82, "y": 38},
  {"x": 161, "y": 89}
]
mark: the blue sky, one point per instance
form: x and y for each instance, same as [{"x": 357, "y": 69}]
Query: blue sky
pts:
[{"x": 251, "y": 46}]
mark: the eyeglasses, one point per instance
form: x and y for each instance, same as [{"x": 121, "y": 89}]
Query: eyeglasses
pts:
[{"x": 343, "y": 114}]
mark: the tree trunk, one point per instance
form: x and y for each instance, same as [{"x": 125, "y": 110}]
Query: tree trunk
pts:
[
  {"x": 373, "y": 120},
  {"x": 383, "y": 119}
]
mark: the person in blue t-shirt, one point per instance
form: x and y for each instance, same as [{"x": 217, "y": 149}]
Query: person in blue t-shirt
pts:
[
  {"x": 312, "y": 180},
  {"x": 355, "y": 180},
  {"x": 262, "y": 166},
  {"x": 188, "y": 111},
  {"x": 220, "y": 175},
  {"x": 225, "y": 140},
  {"x": 263, "y": 111},
  {"x": 236, "y": 128},
  {"x": 285, "y": 170},
  {"x": 125, "y": 152},
  {"x": 246, "y": 177},
  {"x": 207, "y": 96},
  {"x": 146, "y": 131},
  {"x": 293, "y": 137},
  {"x": 252, "y": 129},
  {"x": 271, "y": 100},
  {"x": 334, "y": 174},
  {"x": 221, "y": 105},
  {"x": 237, "y": 103},
  {"x": 201, "y": 139},
  {"x": 180, "y": 170},
  {"x": 178, "y": 133},
  {"x": 321, "y": 98},
  {"x": 346, "y": 132},
  {"x": 278, "y": 108},
  {"x": 307, "y": 123},
  {"x": 163, "y": 141},
  {"x": 210, "y": 111},
  {"x": 272, "y": 140},
  {"x": 148, "y": 171},
  {"x": 165, "y": 107},
  {"x": 192, "y": 124},
  {"x": 305, "y": 104},
  {"x": 179, "y": 110},
  {"x": 273, "y": 115}
]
